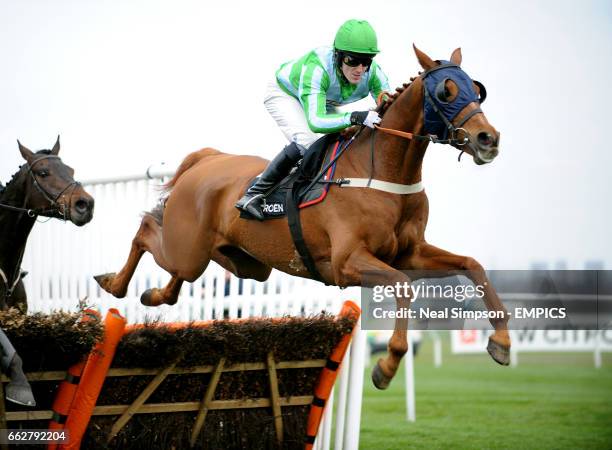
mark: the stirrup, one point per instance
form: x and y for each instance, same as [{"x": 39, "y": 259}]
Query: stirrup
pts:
[
  {"x": 251, "y": 209},
  {"x": 249, "y": 201}
]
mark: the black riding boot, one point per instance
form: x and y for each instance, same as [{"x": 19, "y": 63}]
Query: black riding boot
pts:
[
  {"x": 278, "y": 168},
  {"x": 18, "y": 390}
]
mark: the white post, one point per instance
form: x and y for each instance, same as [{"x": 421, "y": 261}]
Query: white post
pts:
[
  {"x": 327, "y": 421},
  {"x": 513, "y": 357},
  {"x": 342, "y": 393},
  {"x": 597, "y": 351},
  {"x": 355, "y": 395},
  {"x": 410, "y": 401},
  {"x": 437, "y": 349}
]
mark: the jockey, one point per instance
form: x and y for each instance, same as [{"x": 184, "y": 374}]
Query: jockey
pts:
[{"x": 303, "y": 97}]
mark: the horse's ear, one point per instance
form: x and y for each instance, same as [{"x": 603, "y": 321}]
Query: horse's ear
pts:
[
  {"x": 425, "y": 61},
  {"x": 27, "y": 154},
  {"x": 456, "y": 56},
  {"x": 56, "y": 147}
]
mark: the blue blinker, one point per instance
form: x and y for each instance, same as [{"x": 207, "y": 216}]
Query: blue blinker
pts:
[{"x": 434, "y": 84}]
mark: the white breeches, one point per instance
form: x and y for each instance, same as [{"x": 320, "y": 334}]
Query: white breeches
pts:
[{"x": 289, "y": 115}]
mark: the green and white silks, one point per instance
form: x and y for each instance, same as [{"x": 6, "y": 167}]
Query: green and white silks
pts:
[{"x": 316, "y": 82}]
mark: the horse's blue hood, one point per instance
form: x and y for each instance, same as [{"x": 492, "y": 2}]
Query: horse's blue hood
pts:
[{"x": 434, "y": 124}]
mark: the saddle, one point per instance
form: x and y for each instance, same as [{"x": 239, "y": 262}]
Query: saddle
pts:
[{"x": 296, "y": 183}]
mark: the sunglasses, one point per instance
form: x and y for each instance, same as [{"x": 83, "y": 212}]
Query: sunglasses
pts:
[{"x": 354, "y": 61}]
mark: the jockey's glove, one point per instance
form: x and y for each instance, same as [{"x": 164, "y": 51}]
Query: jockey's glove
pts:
[{"x": 367, "y": 118}]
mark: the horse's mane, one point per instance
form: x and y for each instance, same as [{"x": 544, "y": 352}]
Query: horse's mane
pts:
[
  {"x": 14, "y": 176},
  {"x": 398, "y": 91}
]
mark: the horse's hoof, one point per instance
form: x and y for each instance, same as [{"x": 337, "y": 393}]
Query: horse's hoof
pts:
[
  {"x": 499, "y": 353},
  {"x": 380, "y": 380},
  {"x": 146, "y": 297},
  {"x": 104, "y": 280}
]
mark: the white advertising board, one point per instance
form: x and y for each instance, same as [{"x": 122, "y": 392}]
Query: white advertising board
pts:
[{"x": 474, "y": 341}]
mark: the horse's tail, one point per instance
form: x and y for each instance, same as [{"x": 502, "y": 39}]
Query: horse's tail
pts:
[
  {"x": 191, "y": 160},
  {"x": 157, "y": 213}
]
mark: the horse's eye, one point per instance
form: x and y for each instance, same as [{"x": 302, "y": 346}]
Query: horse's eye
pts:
[
  {"x": 43, "y": 173},
  {"x": 442, "y": 92}
]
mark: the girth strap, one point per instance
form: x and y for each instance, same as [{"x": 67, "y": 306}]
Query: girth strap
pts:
[{"x": 295, "y": 227}]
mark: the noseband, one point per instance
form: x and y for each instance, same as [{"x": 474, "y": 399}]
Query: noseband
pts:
[{"x": 55, "y": 209}]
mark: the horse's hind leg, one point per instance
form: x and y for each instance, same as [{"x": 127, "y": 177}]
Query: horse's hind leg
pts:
[
  {"x": 147, "y": 238},
  {"x": 168, "y": 295}
]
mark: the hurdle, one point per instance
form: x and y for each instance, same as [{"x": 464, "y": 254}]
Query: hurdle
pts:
[{"x": 96, "y": 418}]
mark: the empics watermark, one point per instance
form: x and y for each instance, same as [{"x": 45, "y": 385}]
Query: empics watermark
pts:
[{"x": 523, "y": 299}]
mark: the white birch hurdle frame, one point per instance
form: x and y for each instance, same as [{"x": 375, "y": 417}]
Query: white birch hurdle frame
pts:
[{"x": 62, "y": 259}]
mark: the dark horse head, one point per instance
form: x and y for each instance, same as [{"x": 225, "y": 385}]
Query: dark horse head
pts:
[
  {"x": 44, "y": 186},
  {"x": 48, "y": 187}
]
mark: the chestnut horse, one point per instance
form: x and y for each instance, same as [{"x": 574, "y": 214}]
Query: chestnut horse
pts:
[
  {"x": 354, "y": 231},
  {"x": 44, "y": 186}
]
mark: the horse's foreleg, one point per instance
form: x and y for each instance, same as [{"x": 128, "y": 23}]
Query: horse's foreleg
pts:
[
  {"x": 168, "y": 295},
  {"x": 382, "y": 274},
  {"x": 428, "y": 257},
  {"x": 147, "y": 237}
]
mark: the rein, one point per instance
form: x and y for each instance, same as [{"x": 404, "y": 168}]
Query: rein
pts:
[
  {"x": 10, "y": 286},
  {"x": 453, "y": 140},
  {"x": 428, "y": 137}
]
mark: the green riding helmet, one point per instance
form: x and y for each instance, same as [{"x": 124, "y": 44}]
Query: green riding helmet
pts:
[{"x": 356, "y": 36}]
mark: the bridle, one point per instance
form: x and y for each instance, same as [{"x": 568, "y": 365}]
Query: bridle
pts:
[
  {"x": 451, "y": 131},
  {"x": 55, "y": 208}
]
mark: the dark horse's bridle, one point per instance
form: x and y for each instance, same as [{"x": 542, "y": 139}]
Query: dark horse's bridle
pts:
[{"x": 55, "y": 208}]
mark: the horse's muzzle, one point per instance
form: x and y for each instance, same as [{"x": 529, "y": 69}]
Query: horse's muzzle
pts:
[
  {"x": 486, "y": 148},
  {"x": 82, "y": 210}
]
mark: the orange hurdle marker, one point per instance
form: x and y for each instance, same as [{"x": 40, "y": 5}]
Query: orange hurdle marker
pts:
[
  {"x": 327, "y": 378},
  {"x": 68, "y": 387},
  {"x": 93, "y": 377}
]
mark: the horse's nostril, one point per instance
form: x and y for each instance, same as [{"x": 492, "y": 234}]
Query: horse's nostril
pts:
[
  {"x": 82, "y": 205},
  {"x": 485, "y": 138}
]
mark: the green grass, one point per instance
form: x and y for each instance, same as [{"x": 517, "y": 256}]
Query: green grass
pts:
[{"x": 550, "y": 401}]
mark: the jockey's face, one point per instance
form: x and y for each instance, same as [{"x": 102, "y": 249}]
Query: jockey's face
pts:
[{"x": 354, "y": 74}]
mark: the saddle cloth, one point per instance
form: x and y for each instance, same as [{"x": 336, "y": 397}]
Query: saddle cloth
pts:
[{"x": 316, "y": 158}]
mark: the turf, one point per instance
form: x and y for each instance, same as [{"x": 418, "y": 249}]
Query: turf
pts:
[{"x": 550, "y": 401}]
